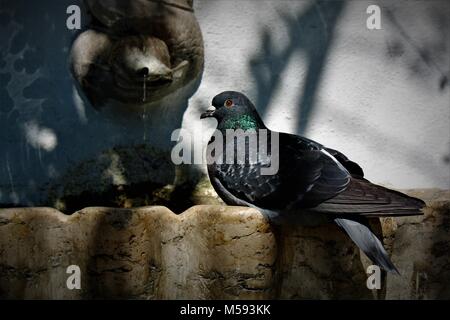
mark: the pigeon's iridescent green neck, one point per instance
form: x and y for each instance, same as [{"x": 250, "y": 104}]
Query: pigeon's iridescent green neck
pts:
[{"x": 244, "y": 122}]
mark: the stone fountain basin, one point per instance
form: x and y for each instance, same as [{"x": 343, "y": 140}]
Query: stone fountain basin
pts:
[{"x": 215, "y": 252}]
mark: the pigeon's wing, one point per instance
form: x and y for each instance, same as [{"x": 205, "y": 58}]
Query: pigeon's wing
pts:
[
  {"x": 352, "y": 167},
  {"x": 307, "y": 176},
  {"x": 361, "y": 197}
]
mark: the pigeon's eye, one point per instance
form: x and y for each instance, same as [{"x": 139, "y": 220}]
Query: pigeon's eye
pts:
[{"x": 228, "y": 103}]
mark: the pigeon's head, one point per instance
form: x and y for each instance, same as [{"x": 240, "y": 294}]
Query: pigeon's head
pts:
[{"x": 233, "y": 110}]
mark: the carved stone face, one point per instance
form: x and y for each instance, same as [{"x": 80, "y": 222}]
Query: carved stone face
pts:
[
  {"x": 137, "y": 52},
  {"x": 141, "y": 68}
]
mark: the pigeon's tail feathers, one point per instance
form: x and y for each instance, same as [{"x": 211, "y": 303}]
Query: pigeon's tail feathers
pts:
[{"x": 365, "y": 239}]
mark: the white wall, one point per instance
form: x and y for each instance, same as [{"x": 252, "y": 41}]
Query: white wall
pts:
[{"x": 377, "y": 99}]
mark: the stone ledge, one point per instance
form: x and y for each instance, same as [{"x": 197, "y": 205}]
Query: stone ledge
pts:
[{"x": 214, "y": 252}]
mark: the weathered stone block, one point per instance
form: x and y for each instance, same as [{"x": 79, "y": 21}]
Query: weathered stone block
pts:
[{"x": 214, "y": 252}]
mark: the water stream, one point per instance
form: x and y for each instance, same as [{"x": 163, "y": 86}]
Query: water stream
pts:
[
  {"x": 144, "y": 115},
  {"x": 144, "y": 97}
]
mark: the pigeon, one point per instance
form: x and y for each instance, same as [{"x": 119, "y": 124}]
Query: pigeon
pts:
[{"x": 313, "y": 184}]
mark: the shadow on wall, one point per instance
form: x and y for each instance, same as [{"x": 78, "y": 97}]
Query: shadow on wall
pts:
[
  {"x": 311, "y": 32},
  {"x": 429, "y": 55}
]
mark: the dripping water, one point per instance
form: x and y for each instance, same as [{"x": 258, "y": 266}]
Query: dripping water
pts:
[
  {"x": 144, "y": 89},
  {"x": 144, "y": 118},
  {"x": 144, "y": 115}
]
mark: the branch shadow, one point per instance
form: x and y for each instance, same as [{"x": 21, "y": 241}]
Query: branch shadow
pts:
[
  {"x": 311, "y": 32},
  {"x": 430, "y": 54}
]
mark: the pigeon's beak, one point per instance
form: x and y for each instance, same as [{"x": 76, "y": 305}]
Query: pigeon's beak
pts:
[{"x": 209, "y": 113}]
